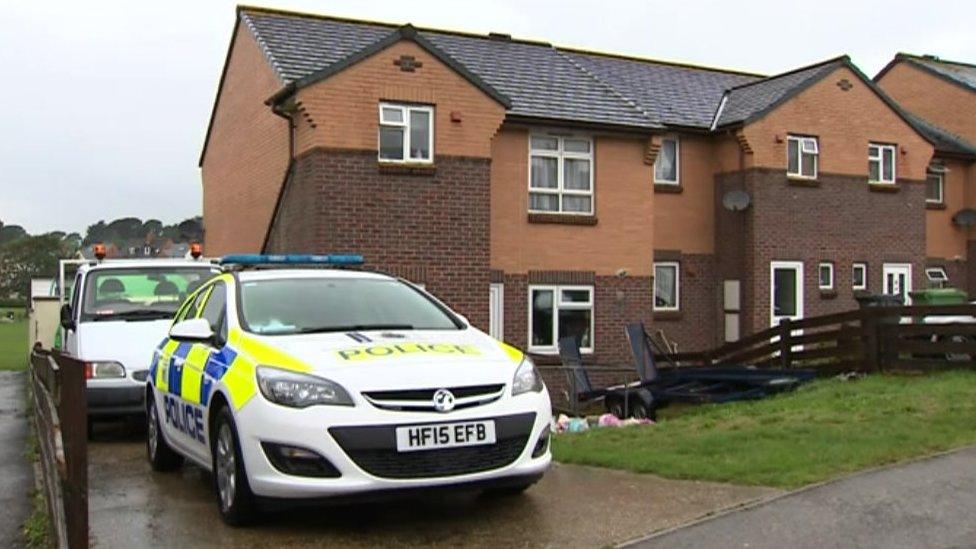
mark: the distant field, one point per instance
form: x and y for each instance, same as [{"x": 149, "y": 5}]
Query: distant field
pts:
[{"x": 13, "y": 341}]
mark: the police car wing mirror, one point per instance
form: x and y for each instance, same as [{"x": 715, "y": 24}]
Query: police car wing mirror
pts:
[
  {"x": 463, "y": 319},
  {"x": 194, "y": 329}
]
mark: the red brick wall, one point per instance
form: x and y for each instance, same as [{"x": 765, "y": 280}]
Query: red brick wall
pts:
[
  {"x": 841, "y": 221},
  {"x": 931, "y": 97},
  {"x": 694, "y": 327},
  {"x": 247, "y": 153},
  {"x": 432, "y": 228}
]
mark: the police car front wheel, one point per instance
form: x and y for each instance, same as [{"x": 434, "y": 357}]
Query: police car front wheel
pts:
[
  {"x": 161, "y": 456},
  {"x": 234, "y": 497}
]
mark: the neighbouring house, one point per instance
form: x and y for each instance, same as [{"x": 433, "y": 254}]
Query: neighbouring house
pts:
[
  {"x": 941, "y": 95},
  {"x": 545, "y": 191}
]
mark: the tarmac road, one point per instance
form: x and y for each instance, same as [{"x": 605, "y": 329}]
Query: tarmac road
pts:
[
  {"x": 927, "y": 503},
  {"x": 571, "y": 507}
]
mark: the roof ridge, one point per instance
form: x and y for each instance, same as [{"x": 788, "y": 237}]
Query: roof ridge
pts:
[
  {"x": 272, "y": 60},
  {"x": 651, "y": 60},
  {"x": 844, "y": 58},
  {"x": 609, "y": 87},
  {"x": 933, "y": 58}
]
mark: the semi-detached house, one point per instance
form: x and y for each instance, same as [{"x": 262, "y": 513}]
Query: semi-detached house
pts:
[{"x": 545, "y": 191}]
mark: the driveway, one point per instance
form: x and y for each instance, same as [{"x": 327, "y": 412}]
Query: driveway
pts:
[
  {"x": 928, "y": 503},
  {"x": 572, "y": 506},
  {"x": 16, "y": 478}
]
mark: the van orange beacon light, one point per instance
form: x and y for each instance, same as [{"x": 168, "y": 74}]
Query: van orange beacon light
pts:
[
  {"x": 196, "y": 250},
  {"x": 99, "y": 250}
]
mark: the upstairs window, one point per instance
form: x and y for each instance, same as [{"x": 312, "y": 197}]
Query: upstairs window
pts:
[
  {"x": 881, "y": 163},
  {"x": 667, "y": 165},
  {"x": 560, "y": 174},
  {"x": 406, "y": 133},
  {"x": 934, "y": 187},
  {"x": 802, "y": 156}
]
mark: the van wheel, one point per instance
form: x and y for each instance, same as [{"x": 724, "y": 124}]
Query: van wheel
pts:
[
  {"x": 234, "y": 496},
  {"x": 161, "y": 456}
]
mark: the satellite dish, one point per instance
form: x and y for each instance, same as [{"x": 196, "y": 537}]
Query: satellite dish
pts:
[
  {"x": 736, "y": 201},
  {"x": 965, "y": 218}
]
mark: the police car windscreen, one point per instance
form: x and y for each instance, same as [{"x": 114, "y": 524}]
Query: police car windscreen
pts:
[
  {"x": 310, "y": 305},
  {"x": 139, "y": 293}
]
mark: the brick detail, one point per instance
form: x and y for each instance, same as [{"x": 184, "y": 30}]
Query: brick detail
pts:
[
  {"x": 433, "y": 228},
  {"x": 562, "y": 277},
  {"x": 842, "y": 221}
]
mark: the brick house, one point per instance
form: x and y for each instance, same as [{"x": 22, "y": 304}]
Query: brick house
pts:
[
  {"x": 544, "y": 191},
  {"x": 941, "y": 95}
]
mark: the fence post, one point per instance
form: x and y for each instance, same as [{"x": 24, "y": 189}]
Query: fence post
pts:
[
  {"x": 73, "y": 413},
  {"x": 786, "y": 342}
]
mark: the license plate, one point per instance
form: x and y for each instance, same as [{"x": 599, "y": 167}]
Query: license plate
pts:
[{"x": 445, "y": 435}]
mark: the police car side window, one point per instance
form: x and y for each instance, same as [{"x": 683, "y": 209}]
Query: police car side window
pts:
[{"x": 213, "y": 311}]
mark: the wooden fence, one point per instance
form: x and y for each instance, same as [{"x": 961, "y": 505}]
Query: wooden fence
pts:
[{"x": 60, "y": 414}]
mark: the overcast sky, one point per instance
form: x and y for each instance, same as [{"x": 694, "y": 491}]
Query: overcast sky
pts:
[{"x": 104, "y": 105}]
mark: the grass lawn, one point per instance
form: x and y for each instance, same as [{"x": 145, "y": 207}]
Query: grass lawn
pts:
[
  {"x": 13, "y": 341},
  {"x": 823, "y": 430}
]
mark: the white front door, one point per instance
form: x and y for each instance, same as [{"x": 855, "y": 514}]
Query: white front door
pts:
[
  {"x": 898, "y": 280},
  {"x": 496, "y": 311},
  {"x": 785, "y": 291}
]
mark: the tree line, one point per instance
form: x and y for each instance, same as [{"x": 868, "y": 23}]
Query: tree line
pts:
[{"x": 24, "y": 256}]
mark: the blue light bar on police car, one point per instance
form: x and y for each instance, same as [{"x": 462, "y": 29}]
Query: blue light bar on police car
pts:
[{"x": 292, "y": 259}]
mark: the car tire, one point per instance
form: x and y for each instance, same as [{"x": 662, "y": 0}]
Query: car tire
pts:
[
  {"x": 234, "y": 497},
  {"x": 161, "y": 456}
]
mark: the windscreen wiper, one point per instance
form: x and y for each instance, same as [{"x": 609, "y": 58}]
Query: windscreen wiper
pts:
[
  {"x": 137, "y": 314},
  {"x": 354, "y": 328}
]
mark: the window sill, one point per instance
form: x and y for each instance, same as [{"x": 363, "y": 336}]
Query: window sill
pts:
[
  {"x": 668, "y": 315},
  {"x": 551, "y": 358},
  {"x": 883, "y": 187},
  {"x": 797, "y": 181},
  {"x": 407, "y": 168},
  {"x": 828, "y": 294},
  {"x": 562, "y": 219},
  {"x": 935, "y": 206},
  {"x": 668, "y": 188}
]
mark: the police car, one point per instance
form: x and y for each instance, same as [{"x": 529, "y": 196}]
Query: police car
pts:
[{"x": 307, "y": 383}]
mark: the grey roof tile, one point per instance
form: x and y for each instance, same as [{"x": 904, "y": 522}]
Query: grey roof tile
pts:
[
  {"x": 673, "y": 94},
  {"x": 942, "y": 139},
  {"x": 748, "y": 101},
  {"x": 961, "y": 73}
]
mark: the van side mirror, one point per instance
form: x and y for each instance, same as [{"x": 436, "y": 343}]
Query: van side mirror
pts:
[
  {"x": 67, "y": 318},
  {"x": 194, "y": 329}
]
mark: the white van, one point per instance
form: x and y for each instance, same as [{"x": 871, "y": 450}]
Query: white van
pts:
[{"x": 118, "y": 312}]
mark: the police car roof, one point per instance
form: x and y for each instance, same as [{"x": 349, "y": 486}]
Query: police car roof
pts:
[{"x": 278, "y": 274}]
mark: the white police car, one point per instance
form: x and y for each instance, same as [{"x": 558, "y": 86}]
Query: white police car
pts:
[{"x": 325, "y": 383}]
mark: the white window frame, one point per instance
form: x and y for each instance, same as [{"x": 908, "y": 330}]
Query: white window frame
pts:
[
  {"x": 830, "y": 268},
  {"x": 405, "y": 110},
  {"x": 941, "y": 178},
  {"x": 677, "y": 286},
  {"x": 560, "y": 154},
  {"x": 556, "y": 306},
  {"x": 879, "y": 158},
  {"x": 864, "y": 276},
  {"x": 677, "y": 161},
  {"x": 801, "y": 141},
  {"x": 937, "y": 277}
]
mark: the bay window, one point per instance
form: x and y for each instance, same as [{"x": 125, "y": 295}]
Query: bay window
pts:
[
  {"x": 559, "y": 311},
  {"x": 560, "y": 174},
  {"x": 406, "y": 133}
]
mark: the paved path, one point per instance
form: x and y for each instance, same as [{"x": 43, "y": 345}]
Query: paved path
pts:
[
  {"x": 571, "y": 507},
  {"x": 929, "y": 503},
  {"x": 16, "y": 477}
]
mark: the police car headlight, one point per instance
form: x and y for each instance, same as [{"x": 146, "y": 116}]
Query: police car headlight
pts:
[
  {"x": 526, "y": 378},
  {"x": 299, "y": 390}
]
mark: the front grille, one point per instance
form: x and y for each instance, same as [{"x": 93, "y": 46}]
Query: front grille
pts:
[
  {"x": 373, "y": 449},
  {"x": 422, "y": 400}
]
